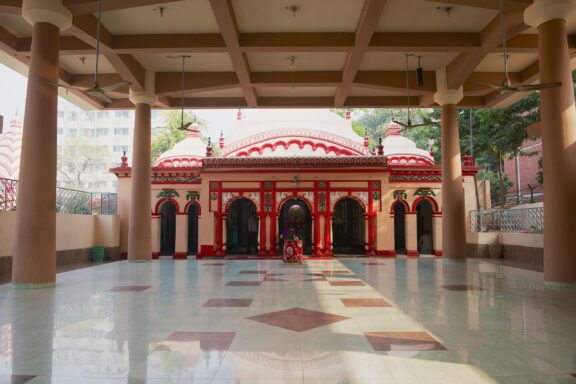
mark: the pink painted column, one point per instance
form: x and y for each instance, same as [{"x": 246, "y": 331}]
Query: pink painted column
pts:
[
  {"x": 453, "y": 211},
  {"x": 558, "y": 132},
  {"x": 34, "y": 261},
  {"x": 140, "y": 223}
]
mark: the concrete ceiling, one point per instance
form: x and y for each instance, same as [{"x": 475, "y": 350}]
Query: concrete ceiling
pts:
[{"x": 288, "y": 53}]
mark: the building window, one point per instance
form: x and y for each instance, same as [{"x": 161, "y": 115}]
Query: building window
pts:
[
  {"x": 115, "y": 184},
  {"x": 101, "y": 131},
  {"x": 120, "y": 148},
  {"x": 102, "y": 115},
  {"x": 121, "y": 131},
  {"x": 60, "y": 131},
  {"x": 73, "y": 132},
  {"x": 60, "y": 114},
  {"x": 73, "y": 116}
]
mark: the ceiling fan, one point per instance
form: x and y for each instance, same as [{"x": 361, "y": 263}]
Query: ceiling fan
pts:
[
  {"x": 408, "y": 124},
  {"x": 182, "y": 127},
  {"x": 506, "y": 87},
  {"x": 96, "y": 90}
]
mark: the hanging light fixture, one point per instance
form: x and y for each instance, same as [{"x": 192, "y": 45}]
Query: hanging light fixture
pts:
[{"x": 420, "y": 73}]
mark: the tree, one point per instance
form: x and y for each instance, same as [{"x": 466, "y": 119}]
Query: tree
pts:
[
  {"x": 172, "y": 135},
  {"x": 78, "y": 159}
]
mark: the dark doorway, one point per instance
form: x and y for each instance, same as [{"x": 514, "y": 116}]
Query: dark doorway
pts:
[
  {"x": 348, "y": 227},
  {"x": 167, "y": 228},
  {"x": 424, "y": 211},
  {"x": 193, "y": 229},
  {"x": 296, "y": 214},
  {"x": 400, "y": 228},
  {"x": 241, "y": 238}
]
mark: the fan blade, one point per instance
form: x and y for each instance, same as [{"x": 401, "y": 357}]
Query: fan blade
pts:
[
  {"x": 487, "y": 85},
  {"x": 401, "y": 123},
  {"x": 536, "y": 87},
  {"x": 185, "y": 126},
  {"x": 72, "y": 87},
  {"x": 113, "y": 87},
  {"x": 424, "y": 124},
  {"x": 102, "y": 96}
]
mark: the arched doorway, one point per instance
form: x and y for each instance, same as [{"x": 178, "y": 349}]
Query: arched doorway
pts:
[
  {"x": 424, "y": 228},
  {"x": 348, "y": 227},
  {"x": 193, "y": 229},
  {"x": 400, "y": 228},
  {"x": 167, "y": 228},
  {"x": 242, "y": 228},
  {"x": 296, "y": 214}
]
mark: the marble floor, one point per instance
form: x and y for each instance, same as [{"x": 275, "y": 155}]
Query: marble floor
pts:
[{"x": 340, "y": 321}]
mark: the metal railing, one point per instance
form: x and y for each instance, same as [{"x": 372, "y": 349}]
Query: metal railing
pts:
[
  {"x": 528, "y": 195},
  {"x": 521, "y": 220},
  {"x": 68, "y": 201}
]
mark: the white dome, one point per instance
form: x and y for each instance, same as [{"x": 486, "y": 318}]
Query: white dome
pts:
[
  {"x": 293, "y": 132},
  {"x": 185, "y": 154},
  {"x": 10, "y": 147},
  {"x": 400, "y": 150}
]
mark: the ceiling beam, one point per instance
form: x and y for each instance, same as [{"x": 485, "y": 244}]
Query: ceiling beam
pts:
[
  {"x": 464, "y": 64},
  {"x": 395, "y": 81},
  {"x": 11, "y": 6},
  {"x": 297, "y": 42},
  {"x": 84, "y": 28},
  {"x": 226, "y": 19},
  {"x": 510, "y": 5},
  {"x": 367, "y": 23},
  {"x": 170, "y": 83},
  {"x": 83, "y": 7},
  {"x": 8, "y": 42},
  {"x": 424, "y": 42},
  {"x": 168, "y": 43}
]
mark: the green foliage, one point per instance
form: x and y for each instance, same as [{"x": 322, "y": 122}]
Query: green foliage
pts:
[
  {"x": 540, "y": 173},
  {"x": 172, "y": 135}
]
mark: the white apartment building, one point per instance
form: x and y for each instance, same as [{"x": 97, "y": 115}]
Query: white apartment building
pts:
[{"x": 112, "y": 130}]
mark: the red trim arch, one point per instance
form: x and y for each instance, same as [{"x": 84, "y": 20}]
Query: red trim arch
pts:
[
  {"x": 162, "y": 201},
  {"x": 295, "y": 197},
  {"x": 339, "y": 151},
  {"x": 431, "y": 199},
  {"x": 409, "y": 160},
  {"x": 227, "y": 206},
  {"x": 188, "y": 204},
  {"x": 353, "y": 198},
  {"x": 404, "y": 202}
]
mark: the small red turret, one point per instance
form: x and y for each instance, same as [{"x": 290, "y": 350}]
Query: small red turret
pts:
[
  {"x": 348, "y": 114},
  {"x": 239, "y": 115},
  {"x": 380, "y": 147},
  {"x": 221, "y": 141},
  {"x": 124, "y": 163},
  {"x": 209, "y": 148}
]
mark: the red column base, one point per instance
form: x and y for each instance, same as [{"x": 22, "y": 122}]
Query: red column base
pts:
[
  {"x": 180, "y": 255},
  {"x": 155, "y": 255},
  {"x": 437, "y": 253},
  {"x": 386, "y": 253},
  {"x": 412, "y": 253},
  {"x": 124, "y": 256},
  {"x": 205, "y": 251}
]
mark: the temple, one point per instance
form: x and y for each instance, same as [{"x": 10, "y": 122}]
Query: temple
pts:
[{"x": 304, "y": 163}]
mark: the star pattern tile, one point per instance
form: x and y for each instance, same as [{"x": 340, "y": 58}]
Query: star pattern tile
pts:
[
  {"x": 298, "y": 319},
  {"x": 129, "y": 288},
  {"x": 402, "y": 341},
  {"x": 365, "y": 303},
  {"x": 228, "y": 303}
]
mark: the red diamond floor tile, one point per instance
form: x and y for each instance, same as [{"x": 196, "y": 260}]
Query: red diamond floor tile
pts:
[
  {"x": 298, "y": 319},
  {"x": 228, "y": 303},
  {"x": 365, "y": 303},
  {"x": 243, "y": 283},
  {"x": 337, "y": 272},
  {"x": 267, "y": 278},
  {"x": 461, "y": 287},
  {"x": 15, "y": 379},
  {"x": 209, "y": 341},
  {"x": 129, "y": 288},
  {"x": 252, "y": 272},
  {"x": 402, "y": 341},
  {"x": 346, "y": 283}
]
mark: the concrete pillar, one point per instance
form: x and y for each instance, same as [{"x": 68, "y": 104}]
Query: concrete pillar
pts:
[
  {"x": 140, "y": 228},
  {"x": 411, "y": 235},
  {"x": 453, "y": 213},
  {"x": 34, "y": 261},
  {"x": 558, "y": 116}
]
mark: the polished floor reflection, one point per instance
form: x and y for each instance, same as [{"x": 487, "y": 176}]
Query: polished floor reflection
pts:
[{"x": 341, "y": 321}]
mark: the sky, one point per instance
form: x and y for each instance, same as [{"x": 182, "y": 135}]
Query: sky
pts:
[{"x": 13, "y": 99}]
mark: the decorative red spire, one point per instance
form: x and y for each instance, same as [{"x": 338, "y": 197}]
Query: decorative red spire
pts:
[
  {"x": 468, "y": 161},
  {"x": 348, "y": 114},
  {"x": 209, "y": 148},
  {"x": 221, "y": 141},
  {"x": 239, "y": 114},
  {"x": 380, "y": 147},
  {"x": 124, "y": 163},
  {"x": 366, "y": 140}
]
